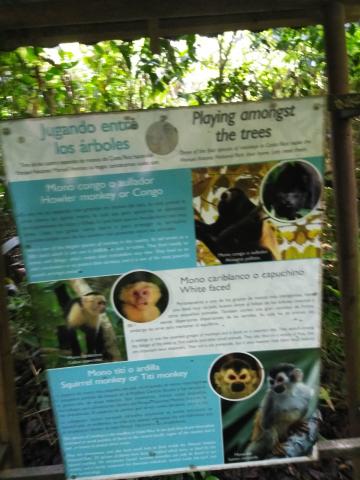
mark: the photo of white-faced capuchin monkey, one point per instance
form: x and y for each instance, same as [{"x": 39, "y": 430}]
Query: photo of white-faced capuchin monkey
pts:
[
  {"x": 240, "y": 233},
  {"x": 139, "y": 301},
  {"x": 83, "y": 313}
]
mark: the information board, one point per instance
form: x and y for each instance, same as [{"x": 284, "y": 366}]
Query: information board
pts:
[{"x": 174, "y": 265}]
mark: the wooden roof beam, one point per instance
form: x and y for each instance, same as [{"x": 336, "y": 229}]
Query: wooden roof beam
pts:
[
  {"x": 168, "y": 28},
  {"x": 85, "y": 12}
]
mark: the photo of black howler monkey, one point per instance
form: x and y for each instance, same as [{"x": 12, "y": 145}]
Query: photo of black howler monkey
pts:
[
  {"x": 240, "y": 233},
  {"x": 82, "y": 313},
  {"x": 236, "y": 376},
  {"x": 140, "y": 297},
  {"x": 291, "y": 190}
]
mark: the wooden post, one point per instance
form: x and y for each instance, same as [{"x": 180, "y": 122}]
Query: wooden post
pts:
[
  {"x": 346, "y": 208},
  {"x": 154, "y": 35},
  {"x": 9, "y": 424}
]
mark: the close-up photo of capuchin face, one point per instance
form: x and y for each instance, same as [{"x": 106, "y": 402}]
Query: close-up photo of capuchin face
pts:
[
  {"x": 139, "y": 301},
  {"x": 140, "y": 296},
  {"x": 94, "y": 303}
]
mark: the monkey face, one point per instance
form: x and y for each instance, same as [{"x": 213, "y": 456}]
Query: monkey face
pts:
[
  {"x": 288, "y": 204},
  {"x": 233, "y": 202},
  {"x": 291, "y": 190},
  {"x": 95, "y": 304},
  {"x": 281, "y": 379},
  {"x": 238, "y": 380},
  {"x": 235, "y": 384},
  {"x": 140, "y": 294},
  {"x": 279, "y": 383}
]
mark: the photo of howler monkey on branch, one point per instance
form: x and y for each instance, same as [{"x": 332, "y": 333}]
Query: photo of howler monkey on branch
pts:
[
  {"x": 257, "y": 212},
  {"x": 240, "y": 233},
  {"x": 233, "y": 228}
]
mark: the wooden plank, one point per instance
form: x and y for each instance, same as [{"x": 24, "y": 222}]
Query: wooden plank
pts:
[
  {"x": 48, "y": 23},
  {"x": 26, "y": 32},
  {"x": 51, "y": 472},
  {"x": 254, "y": 22},
  {"x": 4, "y": 449},
  {"x": 346, "y": 106},
  {"x": 344, "y": 102},
  {"x": 67, "y": 12},
  {"x": 347, "y": 226},
  {"x": 47, "y": 13},
  {"x": 9, "y": 425},
  {"x": 344, "y": 447},
  {"x": 208, "y": 25}
]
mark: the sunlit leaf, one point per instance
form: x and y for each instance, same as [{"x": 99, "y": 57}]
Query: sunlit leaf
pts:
[
  {"x": 311, "y": 252},
  {"x": 289, "y": 236},
  {"x": 205, "y": 256},
  {"x": 222, "y": 181},
  {"x": 324, "y": 395},
  {"x": 300, "y": 238},
  {"x": 201, "y": 186},
  {"x": 291, "y": 253}
]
